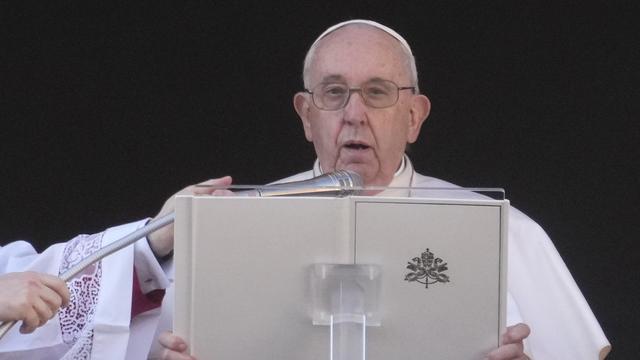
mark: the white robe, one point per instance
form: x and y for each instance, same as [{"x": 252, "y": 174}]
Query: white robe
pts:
[
  {"x": 541, "y": 291},
  {"x": 97, "y": 323}
]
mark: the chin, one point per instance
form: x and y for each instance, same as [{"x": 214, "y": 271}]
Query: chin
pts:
[
  {"x": 368, "y": 177},
  {"x": 362, "y": 169},
  {"x": 368, "y": 172}
]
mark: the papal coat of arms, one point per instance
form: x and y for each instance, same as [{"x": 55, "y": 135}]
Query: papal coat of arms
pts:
[{"x": 427, "y": 269}]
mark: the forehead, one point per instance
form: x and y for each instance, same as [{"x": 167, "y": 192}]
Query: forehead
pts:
[{"x": 358, "y": 53}]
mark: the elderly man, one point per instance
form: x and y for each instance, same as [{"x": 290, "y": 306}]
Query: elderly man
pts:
[
  {"x": 109, "y": 311},
  {"x": 360, "y": 108}
]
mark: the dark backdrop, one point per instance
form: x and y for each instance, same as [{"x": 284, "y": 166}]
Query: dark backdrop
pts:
[{"x": 108, "y": 109}]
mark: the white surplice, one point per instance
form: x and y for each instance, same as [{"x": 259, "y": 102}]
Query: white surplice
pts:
[
  {"x": 97, "y": 324},
  {"x": 541, "y": 291}
]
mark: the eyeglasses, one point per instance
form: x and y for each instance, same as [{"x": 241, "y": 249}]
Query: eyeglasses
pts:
[{"x": 375, "y": 93}]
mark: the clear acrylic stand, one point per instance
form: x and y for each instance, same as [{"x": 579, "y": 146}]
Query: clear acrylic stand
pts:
[{"x": 345, "y": 297}]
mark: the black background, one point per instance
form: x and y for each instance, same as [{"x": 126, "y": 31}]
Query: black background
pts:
[{"x": 108, "y": 109}]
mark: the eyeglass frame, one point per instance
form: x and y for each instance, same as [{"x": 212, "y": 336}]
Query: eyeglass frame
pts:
[{"x": 359, "y": 90}]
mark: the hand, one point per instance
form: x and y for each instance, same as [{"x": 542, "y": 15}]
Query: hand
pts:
[
  {"x": 161, "y": 240},
  {"x": 32, "y": 298},
  {"x": 175, "y": 348},
  {"x": 512, "y": 347}
]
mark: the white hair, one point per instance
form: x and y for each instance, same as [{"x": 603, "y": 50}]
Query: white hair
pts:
[{"x": 406, "y": 49}]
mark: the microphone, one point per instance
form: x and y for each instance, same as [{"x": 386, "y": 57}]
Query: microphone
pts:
[{"x": 339, "y": 183}]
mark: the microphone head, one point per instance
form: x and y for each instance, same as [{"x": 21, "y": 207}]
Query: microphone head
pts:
[
  {"x": 339, "y": 183},
  {"x": 349, "y": 181}
]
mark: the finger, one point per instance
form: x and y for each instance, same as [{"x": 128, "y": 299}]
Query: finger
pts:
[
  {"x": 43, "y": 310},
  {"x": 209, "y": 186},
  {"x": 172, "y": 355},
  {"x": 509, "y": 351},
  {"x": 223, "y": 192},
  {"x": 30, "y": 322},
  {"x": 59, "y": 287},
  {"x": 172, "y": 342},
  {"x": 516, "y": 333},
  {"x": 25, "y": 329},
  {"x": 52, "y": 298}
]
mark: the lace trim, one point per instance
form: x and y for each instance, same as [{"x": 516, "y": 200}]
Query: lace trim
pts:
[{"x": 76, "y": 319}]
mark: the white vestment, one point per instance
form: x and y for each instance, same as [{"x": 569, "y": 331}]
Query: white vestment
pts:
[
  {"x": 541, "y": 290},
  {"x": 97, "y": 324}
]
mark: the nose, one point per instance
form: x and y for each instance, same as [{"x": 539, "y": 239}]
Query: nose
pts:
[{"x": 355, "y": 111}]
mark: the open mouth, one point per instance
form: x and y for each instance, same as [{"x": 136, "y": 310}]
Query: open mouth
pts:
[{"x": 356, "y": 146}]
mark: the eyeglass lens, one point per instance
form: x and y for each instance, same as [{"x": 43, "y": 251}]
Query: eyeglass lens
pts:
[{"x": 334, "y": 96}]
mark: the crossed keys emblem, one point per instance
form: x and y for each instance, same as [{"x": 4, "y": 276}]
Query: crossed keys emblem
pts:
[{"x": 427, "y": 269}]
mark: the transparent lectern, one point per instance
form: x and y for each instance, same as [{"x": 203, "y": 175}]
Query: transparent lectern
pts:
[{"x": 375, "y": 277}]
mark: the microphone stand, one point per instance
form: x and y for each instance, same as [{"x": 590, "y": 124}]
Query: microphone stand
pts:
[{"x": 339, "y": 183}]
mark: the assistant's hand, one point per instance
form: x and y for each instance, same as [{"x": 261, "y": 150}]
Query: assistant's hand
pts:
[
  {"x": 32, "y": 298},
  {"x": 512, "y": 347},
  {"x": 161, "y": 240},
  {"x": 174, "y": 347}
]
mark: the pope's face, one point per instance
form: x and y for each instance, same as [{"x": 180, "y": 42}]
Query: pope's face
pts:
[{"x": 369, "y": 141}]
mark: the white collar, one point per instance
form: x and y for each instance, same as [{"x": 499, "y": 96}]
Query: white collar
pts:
[{"x": 403, "y": 178}]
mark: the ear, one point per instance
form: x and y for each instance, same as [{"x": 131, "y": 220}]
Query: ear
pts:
[
  {"x": 420, "y": 108},
  {"x": 301, "y": 102}
]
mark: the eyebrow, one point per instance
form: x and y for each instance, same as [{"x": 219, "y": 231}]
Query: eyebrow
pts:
[
  {"x": 374, "y": 79},
  {"x": 330, "y": 78},
  {"x": 340, "y": 78}
]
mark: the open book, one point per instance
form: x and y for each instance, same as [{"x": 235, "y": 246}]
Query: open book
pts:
[{"x": 243, "y": 274}]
